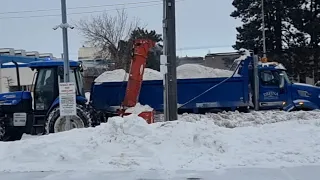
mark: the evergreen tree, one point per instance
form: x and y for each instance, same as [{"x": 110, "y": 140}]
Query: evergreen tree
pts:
[
  {"x": 250, "y": 33},
  {"x": 153, "y": 60},
  {"x": 305, "y": 17},
  {"x": 284, "y": 42}
]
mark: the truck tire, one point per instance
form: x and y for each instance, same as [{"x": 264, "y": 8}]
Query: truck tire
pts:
[
  {"x": 11, "y": 133},
  {"x": 55, "y": 123},
  {"x": 300, "y": 109}
]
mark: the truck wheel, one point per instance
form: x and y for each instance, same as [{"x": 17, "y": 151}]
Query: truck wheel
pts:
[
  {"x": 55, "y": 123},
  {"x": 11, "y": 133},
  {"x": 300, "y": 109}
]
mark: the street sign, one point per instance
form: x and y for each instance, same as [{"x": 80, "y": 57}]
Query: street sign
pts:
[{"x": 67, "y": 94}]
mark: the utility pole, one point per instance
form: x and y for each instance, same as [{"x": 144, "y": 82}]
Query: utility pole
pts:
[
  {"x": 170, "y": 52},
  {"x": 64, "y": 26},
  {"x": 164, "y": 63},
  {"x": 263, "y": 30}
]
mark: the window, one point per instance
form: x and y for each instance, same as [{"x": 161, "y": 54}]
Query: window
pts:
[
  {"x": 80, "y": 82},
  {"x": 72, "y": 77},
  {"x": 45, "y": 78},
  {"x": 44, "y": 89},
  {"x": 269, "y": 78}
]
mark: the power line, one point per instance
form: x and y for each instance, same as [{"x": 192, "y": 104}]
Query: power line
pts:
[
  {"x": 86, "y": 12},
  {"x": 80, "y": 7}
]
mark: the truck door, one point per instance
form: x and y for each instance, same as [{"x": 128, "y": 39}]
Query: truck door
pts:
[{"x": 270, "y": 94}]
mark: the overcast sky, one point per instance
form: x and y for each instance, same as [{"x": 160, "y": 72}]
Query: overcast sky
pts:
[{"x": 201, "y": 25}]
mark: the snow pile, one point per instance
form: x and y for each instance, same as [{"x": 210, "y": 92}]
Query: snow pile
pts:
[
  {"x": 150, "y": 74},
  {"x": 192, "y": 143},
  {"x": 244, "y": 56},
  {"x": 190, "y": 71},
  {"x": 236, "y": 119},
  {"x": 119, "y": 75},
  {"x": 139, "y": 109},
  {"x": 186, "y": 71},
  {"x": 112, "y": 76}
]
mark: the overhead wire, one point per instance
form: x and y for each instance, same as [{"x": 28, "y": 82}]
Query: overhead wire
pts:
[
  {"x": 150, "y": 3},
  {"x": 79, "y": 7}
]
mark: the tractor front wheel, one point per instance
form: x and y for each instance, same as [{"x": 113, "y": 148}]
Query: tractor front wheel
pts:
[
  {"x": 56, "y": 123},
  {"x": 11, "y": 133}
]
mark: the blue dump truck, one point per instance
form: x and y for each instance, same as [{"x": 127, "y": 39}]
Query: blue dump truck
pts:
[{"x": 271, "y": 89}]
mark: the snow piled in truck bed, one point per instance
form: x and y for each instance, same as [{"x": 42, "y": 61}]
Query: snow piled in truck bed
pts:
[
  {"x": 121, "y": 75},
  {"x": 186, "y": 71},
  {"x": 194, "y": 142}
]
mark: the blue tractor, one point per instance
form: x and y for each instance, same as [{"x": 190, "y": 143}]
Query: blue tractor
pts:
[{"x": 38, "y": 112}]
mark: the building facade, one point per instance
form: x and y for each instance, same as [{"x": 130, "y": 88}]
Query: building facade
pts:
[{"x": 8, "y": 76}]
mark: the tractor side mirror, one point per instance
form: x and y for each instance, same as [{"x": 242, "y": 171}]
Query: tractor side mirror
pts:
[{"x": 281, "y": 84}]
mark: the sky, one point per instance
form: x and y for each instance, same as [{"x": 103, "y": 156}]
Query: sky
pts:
[{"x": 202, "y": 26}]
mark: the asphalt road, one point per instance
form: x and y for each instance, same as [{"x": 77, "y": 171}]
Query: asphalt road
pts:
[{"x": 295, "y": 173}]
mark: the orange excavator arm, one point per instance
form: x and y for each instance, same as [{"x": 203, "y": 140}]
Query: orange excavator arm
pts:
[{"x": 141, "y": 48}]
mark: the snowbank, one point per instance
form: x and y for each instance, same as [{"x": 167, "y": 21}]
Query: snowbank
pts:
[
  {"x": 186, "y": 71},
  {"x": 138, "y": 109},
  {"x": 192, "y": 143}
]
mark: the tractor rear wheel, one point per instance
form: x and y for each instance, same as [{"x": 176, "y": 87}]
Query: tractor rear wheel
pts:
[{"x": 56, "y": 123}]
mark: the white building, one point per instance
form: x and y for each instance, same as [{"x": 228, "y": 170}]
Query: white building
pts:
[
  {"x": 8, "y": 75},
  {"x": 9, "y": 81},
  {"x": 87, "y": 53}
]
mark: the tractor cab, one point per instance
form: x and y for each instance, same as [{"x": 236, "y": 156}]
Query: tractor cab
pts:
[{"x": 46, "y": 81}]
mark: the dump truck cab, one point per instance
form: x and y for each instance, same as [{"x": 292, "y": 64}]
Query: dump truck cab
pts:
[{"x": 277, "y": 91}]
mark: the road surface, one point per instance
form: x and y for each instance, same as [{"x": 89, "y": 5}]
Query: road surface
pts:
[{"x": 294, "y": 173}]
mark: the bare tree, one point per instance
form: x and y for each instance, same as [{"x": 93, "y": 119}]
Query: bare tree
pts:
[
  {"x": 9, "y": 82},
  {"x": 109, "y": 34}
]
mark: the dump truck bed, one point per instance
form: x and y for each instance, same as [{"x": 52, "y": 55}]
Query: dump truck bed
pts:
[{"x": 230, "y": 94}]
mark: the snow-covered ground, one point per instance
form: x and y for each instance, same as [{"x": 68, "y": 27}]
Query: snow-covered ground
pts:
[
  {"x": 186, "y": 71},
  {"x": 270, "y": 139}
]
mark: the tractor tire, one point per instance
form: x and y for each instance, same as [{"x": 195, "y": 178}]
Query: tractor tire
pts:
[
  {"x": 55, "y": 123},
  {"x": 11, "y": 133}
]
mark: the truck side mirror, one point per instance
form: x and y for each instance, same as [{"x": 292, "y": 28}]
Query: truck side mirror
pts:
[{"x": 281, "y": 84}]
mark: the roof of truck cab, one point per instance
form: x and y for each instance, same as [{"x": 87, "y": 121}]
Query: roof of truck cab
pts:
[{"x": 52, "y": 63}]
